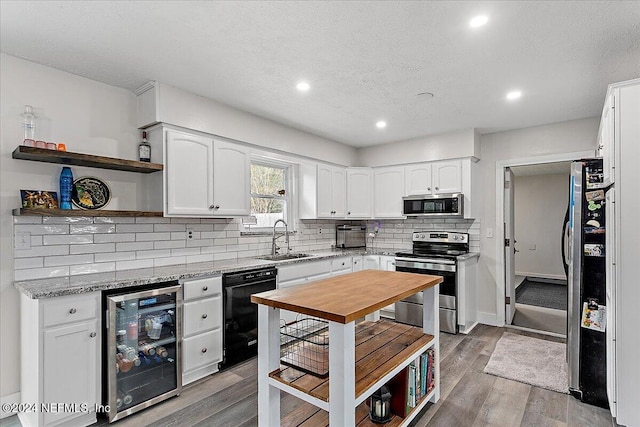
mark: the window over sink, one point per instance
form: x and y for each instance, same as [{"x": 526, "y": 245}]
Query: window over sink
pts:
[{"x": 270, "y": 195}]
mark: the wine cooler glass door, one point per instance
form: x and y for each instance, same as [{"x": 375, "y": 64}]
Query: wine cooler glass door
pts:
[{"x": 143, "y": 349}]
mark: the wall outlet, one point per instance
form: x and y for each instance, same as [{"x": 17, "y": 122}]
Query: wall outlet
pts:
[
  {"x": 189, "y": 232},
  {"x": 319, "y": 230},
  {"x": 532, "y": 247},
  {"x": 23, "y": 240},
  {"x": 489, "y": 233}
]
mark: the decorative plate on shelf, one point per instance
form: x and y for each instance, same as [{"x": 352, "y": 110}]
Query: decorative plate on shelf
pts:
[{"x": 90, "y": 193}]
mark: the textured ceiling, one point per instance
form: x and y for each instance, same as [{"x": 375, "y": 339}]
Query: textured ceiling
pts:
[{"x": 365, "y": 61}]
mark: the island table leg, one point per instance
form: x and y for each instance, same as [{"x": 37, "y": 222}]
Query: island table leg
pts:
[
  {"x": 268, "y": 361},
  {"x": 431, "y": 326},
  {"x": 342, "y": 369}
]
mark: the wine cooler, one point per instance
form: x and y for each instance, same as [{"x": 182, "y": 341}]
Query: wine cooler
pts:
[{"x": 142, "y": 348}]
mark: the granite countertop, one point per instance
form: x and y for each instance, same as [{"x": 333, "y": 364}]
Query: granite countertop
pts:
[{"x": 59, "y": 286}]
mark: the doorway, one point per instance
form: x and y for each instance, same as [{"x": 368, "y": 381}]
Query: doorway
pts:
[
  {"x": 506, "y": 295},
  {"x": 540, "y": 200}
]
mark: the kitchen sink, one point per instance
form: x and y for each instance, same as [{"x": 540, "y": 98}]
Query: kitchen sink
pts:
[{"x": 283, "y": 257}]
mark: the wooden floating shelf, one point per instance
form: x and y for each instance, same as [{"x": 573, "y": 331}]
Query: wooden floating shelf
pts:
[
  {"x": 85, "y": 213},
  {"x": 23, "y": 152},
  {"x": 380, "y": 348}
]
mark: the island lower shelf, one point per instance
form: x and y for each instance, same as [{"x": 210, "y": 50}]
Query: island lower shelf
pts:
[{"x": 382, "y": 350}]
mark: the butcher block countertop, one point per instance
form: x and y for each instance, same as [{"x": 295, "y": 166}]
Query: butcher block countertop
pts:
[{"x": 348, "y": 297}]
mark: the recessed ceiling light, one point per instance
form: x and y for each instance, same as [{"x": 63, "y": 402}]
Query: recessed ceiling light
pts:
[
  {"x": 303, "y": 86},
  {"x": 478, "y": 21},
  {"x": 381, "y": 124},
  {"x": 514, "y": 94}
]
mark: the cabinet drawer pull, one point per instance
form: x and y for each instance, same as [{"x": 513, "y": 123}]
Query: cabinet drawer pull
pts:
[
  {"x": 92, "y": 334},
  {"x": 73, "y": 311},
  {"x": 205, "y": 288},
  {"x": 204, "y": 350},
  {"x": 204, "y": 316}
]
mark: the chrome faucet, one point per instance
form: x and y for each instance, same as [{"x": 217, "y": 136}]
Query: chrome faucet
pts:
[{"x": 276, "y": 236}]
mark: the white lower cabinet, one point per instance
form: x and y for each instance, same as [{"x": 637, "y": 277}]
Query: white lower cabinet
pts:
[
  {"x": 60, "y": 372},
  {"x": 202, "y": 326},
  {"x": 357, "y": 263}
]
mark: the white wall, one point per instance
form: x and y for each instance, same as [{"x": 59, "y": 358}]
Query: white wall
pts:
[
  {"x": 540, "y": 205},
  {"x": 182, "y": 108},
  {"x": 556, "y": 138},
  {"x": 438, "y": 147}
]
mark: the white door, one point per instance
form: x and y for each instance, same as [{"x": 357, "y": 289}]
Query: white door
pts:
[
  {"x": 388, "y": 189},
  {"x": 71, "y": 367},
  {"x": 447, "y": 177},
  {"x": 417, "y": 179},
  {"x": 188, "y": 174},
  {"x": 324, "y": 187},
  {"x": 338, "y": 192},
  {"x": 509, "y": 247},
  {"x": 231, "y": 175},
  {"x": 359, "y": 193}
]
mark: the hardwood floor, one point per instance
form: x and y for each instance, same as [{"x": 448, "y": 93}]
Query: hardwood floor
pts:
[{"x": 469, "y": 397}]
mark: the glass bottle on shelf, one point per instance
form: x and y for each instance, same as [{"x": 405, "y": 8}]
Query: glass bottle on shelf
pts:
[
  {"x": 28, "y": 126},
  {"x": 66, "y": 186},
  {"x": 144, "y": 149}
]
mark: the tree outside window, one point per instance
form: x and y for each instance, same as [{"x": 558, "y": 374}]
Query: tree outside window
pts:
[{"x": 269, "y": 195}]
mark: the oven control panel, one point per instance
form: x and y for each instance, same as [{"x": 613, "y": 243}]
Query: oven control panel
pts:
[{"x": 440, "y": 237}]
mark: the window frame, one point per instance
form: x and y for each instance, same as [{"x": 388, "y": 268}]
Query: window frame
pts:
[{"x": 288, "y": 198}]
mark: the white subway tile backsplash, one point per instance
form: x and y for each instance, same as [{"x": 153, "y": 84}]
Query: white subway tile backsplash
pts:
[
  {"x": 104, "y": 267},
  {"x": 42, "y": 251},
  {"x": 134, "y": 228},
  {"x": 224, "y": 256},
  {"x": 170, "y": 227},
  {"x": 136, "y": 246},
  {"x": 42, "y": 229},
  {"x": 53, "y": 261},
  {"x": 130, "y": 265},
  {"x": 22, "y": 263},
  {"x": 152, "y": 220},
  {"x": 169, "y": 244},
  {"x": 92, "y": 248},
  {"x": 213, "y": 234},
  {"x": 67, "y": 220},
  {"x": 226, "y": 241},
  {"x": 185, "y": 220},
  {"x": 68, "y": 239},
  {"x": 92, "y": 229},
  {"x": 41, "y": 273},
  {"x": 161, "y": 262},
  {"x": 160, "y": 253},
  {"x": 114, "y": 220},
  {"x": 192, "y": 243},
  {"x": 200, "y": 227},
  {"x": 199, "y": 258},
  {"x": 36, "y": 240},
  {"x": 185, "y": 251},
  {"x": 150, "y": 237},
  {"x": 111, "y": 238},
  {"x": 27, "y": 220},
  {"x": 115, "y": 256}
]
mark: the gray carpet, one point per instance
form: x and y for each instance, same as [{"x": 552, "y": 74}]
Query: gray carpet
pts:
[
  {"x": 542, "y": 294},
  {"x": 531, "y": 361}
]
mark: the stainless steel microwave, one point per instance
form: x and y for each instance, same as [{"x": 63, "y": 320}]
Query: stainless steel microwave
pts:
[{"x": 450, "y": 205}]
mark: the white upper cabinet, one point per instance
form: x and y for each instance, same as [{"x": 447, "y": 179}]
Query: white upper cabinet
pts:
[
  {"x": 359, "y": 192},
  {"x": 389, "y": 187},
  {"x": 607, "y": 138},
  {"x": 205, "y": 178},
  {"x": 433, "y": 178},
  {"x": 331, "y": 187},
  {"x": 447, "y": 177},
  {"x": 231, "y": 179},
  {"x": 188, "y": 171},
  {"x": 417, "y": 179}
]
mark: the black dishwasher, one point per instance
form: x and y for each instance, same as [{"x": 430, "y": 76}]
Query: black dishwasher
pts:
[{"x": 240, "y": 314}]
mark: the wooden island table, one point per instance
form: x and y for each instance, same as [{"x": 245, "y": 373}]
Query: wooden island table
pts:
[{"x": 362, "y": 357}]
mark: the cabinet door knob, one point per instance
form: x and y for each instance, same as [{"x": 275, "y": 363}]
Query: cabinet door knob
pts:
[
  {"x": 343, "y": 264},
  {"x": 205, "y": 288},
  {"x": 211, "y": 206},
  {"x": 73, "y": 311},
  {"x": 428, "y": 188},
  {"x": 204, "y": 316},
  {"x": 204, "y": 350},
  {"x": 217, "y": 207},
  {"x": 92, "y": 334},
  {"x": 348, "y": 213},
  {"x": 437, "y": 188}
]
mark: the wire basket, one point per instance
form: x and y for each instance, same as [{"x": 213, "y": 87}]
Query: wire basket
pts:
[{"x": 304, "y": 345}]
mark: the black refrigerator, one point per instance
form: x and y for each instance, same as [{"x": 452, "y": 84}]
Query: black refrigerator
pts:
[{"x": 585, "y": 260}]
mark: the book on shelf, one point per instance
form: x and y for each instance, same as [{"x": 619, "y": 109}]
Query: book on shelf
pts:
[{"x": 412, "y": 384}]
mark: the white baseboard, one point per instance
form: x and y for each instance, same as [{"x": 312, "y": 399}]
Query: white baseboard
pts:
[
  {"x": 542, "y": 275},
  {"x": 487, "y": 318},
  {"x": 12, "y": 399}
]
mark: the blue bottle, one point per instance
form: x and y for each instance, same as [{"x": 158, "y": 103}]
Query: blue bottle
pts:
[{"x": 66, "y": 185}]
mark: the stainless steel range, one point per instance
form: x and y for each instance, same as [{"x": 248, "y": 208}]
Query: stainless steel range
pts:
[{"x": 434, "y": 252}]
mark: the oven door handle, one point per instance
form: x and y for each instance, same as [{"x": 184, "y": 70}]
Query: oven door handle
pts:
[{"x": 426, "y": 264}]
